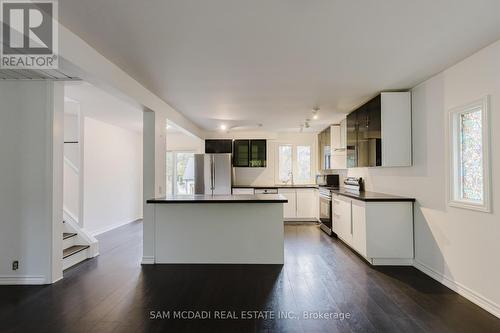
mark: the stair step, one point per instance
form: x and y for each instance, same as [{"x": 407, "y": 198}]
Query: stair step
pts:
[
  {"x": 67, "y": 235},
  {"x": 73, "y": 250}
]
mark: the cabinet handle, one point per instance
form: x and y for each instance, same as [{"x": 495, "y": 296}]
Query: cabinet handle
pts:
[{"x": 351, "y": 221}]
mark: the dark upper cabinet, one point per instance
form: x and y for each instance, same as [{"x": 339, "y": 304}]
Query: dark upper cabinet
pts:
[
  {"x": 250, "y": 153},
  {"x": 352, "y": 140},
  {"x": 369, "y": 134},
  {"x": 241, "y": 153},
  {"x": 258, "y": 153},
  {"x": 222, "y": 146},
  {"x": 374, "y": 132},
  {"x": 324, "y": 147},
  {"x": 379, "y": 132},
  {"x": 363, "y": 144}
]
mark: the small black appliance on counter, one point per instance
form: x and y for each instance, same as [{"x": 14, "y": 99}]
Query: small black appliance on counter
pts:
[{"x": 354, "y": 184}]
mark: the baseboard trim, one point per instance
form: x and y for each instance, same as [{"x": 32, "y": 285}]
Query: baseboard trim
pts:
[
  {"x": 391, "y": 261},
  {"x": 148, "y": 260},
  {"x": 23, "y": 279},
  {"x": 57, "y": 280},
  {"x": 460, "y": 289},
  {"x": 113, "y": 226}
]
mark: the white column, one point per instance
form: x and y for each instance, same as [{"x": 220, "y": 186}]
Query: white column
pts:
[
  {"x": 57, "y": 145},
  {"x": 154, "y": 175},
  {"x": 31, "y": 181}
]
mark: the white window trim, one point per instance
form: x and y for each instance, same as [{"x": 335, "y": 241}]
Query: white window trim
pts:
[
  {"x": 454, "y": 187},
  {"x": 294, "y": 162}
]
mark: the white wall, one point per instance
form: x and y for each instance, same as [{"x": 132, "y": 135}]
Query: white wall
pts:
[
  {"x": 178, "y": 141},
  {"x": 31, "y": 128},
  {"x": 460, "y": 246},
  {"x": 266, "y": 176},
  {"x": 112, "y": 176}
]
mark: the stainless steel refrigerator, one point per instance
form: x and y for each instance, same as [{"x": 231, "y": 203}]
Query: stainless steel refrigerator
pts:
[{"x": 213, "y": 174}]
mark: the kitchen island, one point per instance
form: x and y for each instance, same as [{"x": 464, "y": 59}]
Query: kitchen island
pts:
[{"x": 219, "y": 229}]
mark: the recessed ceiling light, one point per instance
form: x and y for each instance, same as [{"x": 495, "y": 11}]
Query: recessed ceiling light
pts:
[
  {"x": 315, "y": 116},
  {"x": 223, "y": 127}
]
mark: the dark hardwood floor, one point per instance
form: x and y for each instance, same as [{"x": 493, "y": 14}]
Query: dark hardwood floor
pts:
[{"x": 113, "y": 293}]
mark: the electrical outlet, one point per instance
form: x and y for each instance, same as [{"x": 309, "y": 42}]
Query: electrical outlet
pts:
[{"x": 15, "y": 265}]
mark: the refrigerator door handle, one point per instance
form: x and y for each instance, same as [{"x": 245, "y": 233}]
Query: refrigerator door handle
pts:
[
  {"x": 214, "y": 182},
  {"x": 212, "y": 173}
]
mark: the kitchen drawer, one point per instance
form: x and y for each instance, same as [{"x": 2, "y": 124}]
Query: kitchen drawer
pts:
[{"x": 266, "y": 191}]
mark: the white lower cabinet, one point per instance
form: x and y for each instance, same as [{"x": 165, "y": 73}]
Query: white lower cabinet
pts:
[
  {"x": 307, "y": 203},
  {"x": 358, "y": 223},
  {"x": 289, "y": 208},
  {"x": 341, "y": 217},
  {"x": 302, "y": 204},
  {"x": 381, "y": 232}
]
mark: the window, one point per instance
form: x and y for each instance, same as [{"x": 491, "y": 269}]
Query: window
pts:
[
  {"x": 294, "y": 164},
  {"x": 303, "y": 164},
  {"x": 469, "y": 143},
  {"x": 180, "y": 172},
  {"x": 285, "y": 163}
]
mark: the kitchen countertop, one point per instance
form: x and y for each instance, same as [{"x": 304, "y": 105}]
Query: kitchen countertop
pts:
[
  {"x": 207, "y": 198},
  {"x": 370, "y": 196},
  {"x": 278, "y": 186}
]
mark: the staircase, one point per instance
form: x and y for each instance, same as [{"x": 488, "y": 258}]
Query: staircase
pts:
[{"x": 76, "y": 247}]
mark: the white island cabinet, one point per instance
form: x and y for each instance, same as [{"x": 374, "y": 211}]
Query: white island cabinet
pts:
[
  {"x": 218, "y": 229},
  {"x": 380, "y": 231}
]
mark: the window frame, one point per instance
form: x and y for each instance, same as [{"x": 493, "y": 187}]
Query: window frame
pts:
[
  {"x": 455, "y": 166},
  {"x": 295, "y": 162}
]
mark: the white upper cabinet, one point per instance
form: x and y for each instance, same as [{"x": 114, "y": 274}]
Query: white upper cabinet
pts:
[
  {"x": 338, "y": 146},
  {"x": 338, "y": 135},
  {"x": 396, "y": 129}
]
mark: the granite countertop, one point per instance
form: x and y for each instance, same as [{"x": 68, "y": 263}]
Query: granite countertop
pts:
[
  {"x": 207, "y": 198},
  {"x": 278, "y": 186},
  {"x": 370, "y": 196}
]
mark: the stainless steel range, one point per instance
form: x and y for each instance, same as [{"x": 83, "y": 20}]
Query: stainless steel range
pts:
[{"x": 326, "y": 183}]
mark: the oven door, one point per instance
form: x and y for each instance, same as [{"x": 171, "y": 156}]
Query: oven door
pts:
[{"x": 325, "y": 212}]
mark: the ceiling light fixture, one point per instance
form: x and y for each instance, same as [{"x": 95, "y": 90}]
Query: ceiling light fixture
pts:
[
  {"x": 315, "y": 112},
  {"x": 223, "y": 127}
]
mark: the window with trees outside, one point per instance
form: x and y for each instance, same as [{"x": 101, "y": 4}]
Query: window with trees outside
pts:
[
  {"x": 294, "y": 164},
  {"x": 469, "y": 160},
  {"x": 180, "y": 172}
]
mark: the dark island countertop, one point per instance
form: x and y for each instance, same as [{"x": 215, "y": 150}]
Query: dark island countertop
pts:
[
  {"x": 207, "y": 198},
  {"x": 370, "y": 196},
  {"x": 277, "y": 186}
]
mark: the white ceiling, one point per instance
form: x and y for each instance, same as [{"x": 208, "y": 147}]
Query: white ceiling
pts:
[
  {"x": 242, "y": 63},
  {"x": 98, "y": 104}
]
